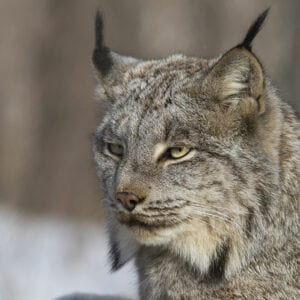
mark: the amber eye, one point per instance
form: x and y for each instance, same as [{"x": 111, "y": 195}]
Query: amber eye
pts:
[
  {"x": 115, "y": 149},
  {"x": 178, "y": 152}
]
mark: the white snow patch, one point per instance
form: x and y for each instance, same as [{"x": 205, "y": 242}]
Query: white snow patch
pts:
[{"x": 43, "y": 258}]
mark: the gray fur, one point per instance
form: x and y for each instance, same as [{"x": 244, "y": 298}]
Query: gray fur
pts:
[{"x": 221, "y": 223}]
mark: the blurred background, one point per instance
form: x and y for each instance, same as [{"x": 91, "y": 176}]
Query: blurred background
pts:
[{"x": 52, "y": 239}]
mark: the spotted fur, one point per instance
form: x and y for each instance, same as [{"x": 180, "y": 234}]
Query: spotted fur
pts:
[{"x": 222, "y": 222}]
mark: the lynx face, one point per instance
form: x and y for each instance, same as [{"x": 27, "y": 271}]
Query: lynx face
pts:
[
  {"x": 178, "y": 148},
  {"x": 155, "y": 114}
]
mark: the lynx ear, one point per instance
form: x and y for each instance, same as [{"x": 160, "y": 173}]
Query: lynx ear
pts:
[
  {"x": 109, "y": 66},
  {"x": 123, "y": 246},
  {"x": 237, "y": 78}
]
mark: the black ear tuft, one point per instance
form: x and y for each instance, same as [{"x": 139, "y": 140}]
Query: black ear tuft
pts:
[
  {"x": 101, "y": 56},
  {"x": 253, "y": 30}
]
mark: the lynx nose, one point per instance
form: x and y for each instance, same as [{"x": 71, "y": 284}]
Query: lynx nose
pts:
[{"x": 128, "y": 200}]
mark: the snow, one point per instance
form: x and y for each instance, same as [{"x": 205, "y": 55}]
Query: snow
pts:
[{"x": 43, "y": 258}]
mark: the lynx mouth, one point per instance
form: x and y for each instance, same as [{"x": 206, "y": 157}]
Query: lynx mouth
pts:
[{"x": 135, "y": 221}]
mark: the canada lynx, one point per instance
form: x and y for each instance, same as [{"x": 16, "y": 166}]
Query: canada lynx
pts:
[{"x": 200, "y": 161}]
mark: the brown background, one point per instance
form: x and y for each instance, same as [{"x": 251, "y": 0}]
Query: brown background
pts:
[{"x": 47, "y": 108}]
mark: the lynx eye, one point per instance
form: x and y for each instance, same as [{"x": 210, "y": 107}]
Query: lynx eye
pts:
[
  {"x": 115, "y": 149},
  {"x": 178, "y": 152}
]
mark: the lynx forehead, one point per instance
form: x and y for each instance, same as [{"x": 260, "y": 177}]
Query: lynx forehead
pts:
[{"x": 195, "y": 156}]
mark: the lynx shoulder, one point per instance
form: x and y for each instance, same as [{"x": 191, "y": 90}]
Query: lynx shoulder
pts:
[{"x": 200, "y": 163}]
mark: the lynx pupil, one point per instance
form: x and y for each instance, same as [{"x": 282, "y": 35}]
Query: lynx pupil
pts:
[
  {"x": 178, "y": 152},
  {"x": 115, "y": 149}
]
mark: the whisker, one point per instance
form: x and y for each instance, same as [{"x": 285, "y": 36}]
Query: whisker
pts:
[{"x": 215, "y": 214}]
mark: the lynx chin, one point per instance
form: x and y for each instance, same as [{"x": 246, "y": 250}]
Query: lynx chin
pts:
[{"x": 200, "y": 163}]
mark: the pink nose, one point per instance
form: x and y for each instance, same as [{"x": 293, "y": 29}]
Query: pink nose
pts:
[{"x": 128, "y": 200}]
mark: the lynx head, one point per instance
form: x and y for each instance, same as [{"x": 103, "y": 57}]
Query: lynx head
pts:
[{"x": 178, "y": 149}]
